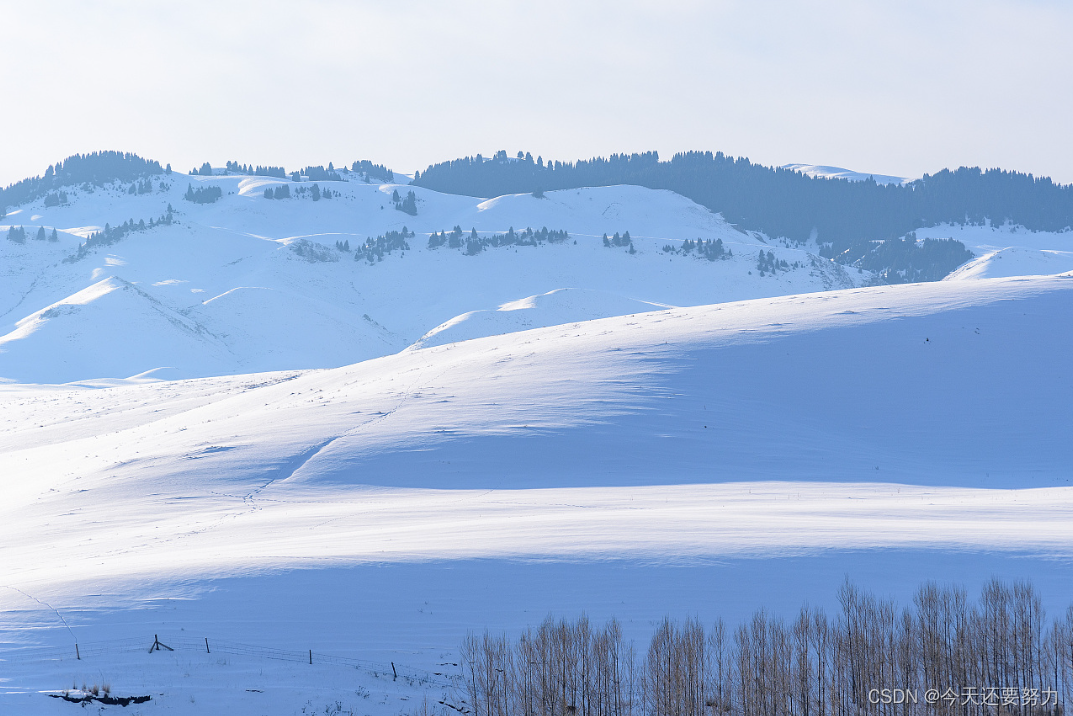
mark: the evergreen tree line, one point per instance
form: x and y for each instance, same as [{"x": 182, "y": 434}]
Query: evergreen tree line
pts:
[
  {"x": 766, "y": 263},
  {"x": 844, "y": 216},
  {"x": 454, "y": 240},
  {"x": 407, "y": 205},
  {"x": 711, "y": 249},
  {"x": 142, "y": 186},
  {"x": 941, "y": 655},
  {"x": 96, "y": 169},
  {"x": 257, "y": 171},
  {"x": 17, "y": 234},
  {"x": 474, "y": 243},
  {"x": 315, "y": 192},
  {"x": 112, "y": 234},
  {"x": 321, "y": 174},
  {"x": 56, "y": 198},
  {"x": 617, "y": 241},
  {"x": 908, "y": 261},
  {"x": 373, "y": 171},
  {"x": 203, "y": 194},
  {"x": 375, "y": 249}
]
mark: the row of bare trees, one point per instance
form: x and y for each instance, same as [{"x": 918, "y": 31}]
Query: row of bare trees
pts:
[{"x": 941, "y": 655}]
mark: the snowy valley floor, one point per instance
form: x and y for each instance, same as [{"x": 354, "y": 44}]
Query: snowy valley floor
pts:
[
  {"x": 415, "y": 615},
  {"x": 702, "y": 461}
]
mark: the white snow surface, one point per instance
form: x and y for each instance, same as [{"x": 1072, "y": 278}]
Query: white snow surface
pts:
[
  {"x": 826, "y": 172},
  {"x": 1014, "y": 261},
  {"x": 360, "y": 463},
  {"x": 673, "y": 448},
  {"x": 553, "y": 308},
  {"x": 222, "y": 293}
]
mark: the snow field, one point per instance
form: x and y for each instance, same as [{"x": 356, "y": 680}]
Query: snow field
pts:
[
  {"x": 225, "y": 295},
  {"x": 647, "y": 436},
  {"x": 368, "y": 461}
]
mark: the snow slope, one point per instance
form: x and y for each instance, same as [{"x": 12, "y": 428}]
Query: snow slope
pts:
[
  {"x": 564, "y": 305},
  {"x": 1014, "y": 261},
  {"x": 702, "y": 460},
  {"x": 775, "y": 389},
  {"x": 365, "y": 461},
  {"x": 225, "y": 293}
]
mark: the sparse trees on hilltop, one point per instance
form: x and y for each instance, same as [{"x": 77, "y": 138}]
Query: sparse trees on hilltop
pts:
[
  {"x": 87, "y": 170},
  {"x": 373, "y": 171}
]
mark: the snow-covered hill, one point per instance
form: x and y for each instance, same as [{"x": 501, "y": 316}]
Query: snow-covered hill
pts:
[
  {"x": 370, "y": 458},
  {"x": 229, "y": 288},
  {"x": 240, "y": 286},
  {"x": 1014, "y": 261},
  {"x": 817, "y": 170},
  {"x": 633, "y": 466}
]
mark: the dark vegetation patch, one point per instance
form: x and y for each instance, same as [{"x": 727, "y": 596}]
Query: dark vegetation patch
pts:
[
  {"x": 846, "y": 218},
  {"x": 87, "y": 170},
  {"x": 104, "y": 699}
]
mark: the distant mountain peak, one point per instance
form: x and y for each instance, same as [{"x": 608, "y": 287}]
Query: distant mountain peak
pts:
[{"x": 816, "y": 170}]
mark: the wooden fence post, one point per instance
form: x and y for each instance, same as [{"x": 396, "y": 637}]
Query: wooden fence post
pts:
[{"x": 77, "y": 654}]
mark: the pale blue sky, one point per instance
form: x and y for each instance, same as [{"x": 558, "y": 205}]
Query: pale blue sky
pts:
[{"x": 899, "y": 88}]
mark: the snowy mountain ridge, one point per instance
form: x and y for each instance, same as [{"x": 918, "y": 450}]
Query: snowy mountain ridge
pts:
[
  {"x": 291, "y": 426},
  {"x": 249, "y": 284}
]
